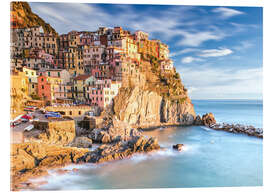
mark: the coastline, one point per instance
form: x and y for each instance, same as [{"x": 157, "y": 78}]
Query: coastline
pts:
[{"x": 22, "y": 181}]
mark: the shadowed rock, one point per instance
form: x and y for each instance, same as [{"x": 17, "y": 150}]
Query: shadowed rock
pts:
[
  {"x": 81, "y": 142},
  {"x": 208, "y": 119},
  {"x": 178, "y": 147},
  {"x": 238, "y": 128},
  {"x": 120, "y": 150}
]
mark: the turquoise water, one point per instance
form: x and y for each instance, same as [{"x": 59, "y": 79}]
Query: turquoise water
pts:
[
  {"x": 248, "y": 112},
  {"x": 210, "y": 158}
]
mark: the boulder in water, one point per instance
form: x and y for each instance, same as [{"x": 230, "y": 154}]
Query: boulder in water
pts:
[
  {"x": 208, "y": 119},
  {"x": 198, "y": 120},
  {"x": 178, "y": 147}
]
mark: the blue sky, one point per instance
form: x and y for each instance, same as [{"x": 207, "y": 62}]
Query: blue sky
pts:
[{"x": 216, "y": 50}]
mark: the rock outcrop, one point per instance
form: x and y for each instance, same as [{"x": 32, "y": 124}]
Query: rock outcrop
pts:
[
  {"x": 120, "y": 150},
  {"x": 146, "y": 108},
  {"x": 238, "y": 128},
  {"x": 208, "y": 119},
  {"x": 178, "y": 147},
  {"x": 152, "y": 97},
  {"x": 113, "y": 134},
  {"x": 198, "y": 120},
  {"x": 29, "y": 160},
  {"x": 81, "y": 142},
  {"x": 52, "y": 132}
]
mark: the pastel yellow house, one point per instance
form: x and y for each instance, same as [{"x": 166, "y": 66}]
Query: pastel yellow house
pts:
[
  {"x": 18, "y": 92},
  {"x": 55, "y": 83},
  {"x": 32, "y": 81},
  {"x": 131, "y": 48}
]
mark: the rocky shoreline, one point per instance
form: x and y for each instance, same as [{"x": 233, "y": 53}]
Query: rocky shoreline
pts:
[
  {"x": 238, "y": 128},
  {"x": 209, "y": 121},
  {"x": 49, "y": 148},
  {"x": 32, "y": 160}
]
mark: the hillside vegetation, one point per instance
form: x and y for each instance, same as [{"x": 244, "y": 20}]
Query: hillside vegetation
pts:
[{"x": 22, "y": 16}]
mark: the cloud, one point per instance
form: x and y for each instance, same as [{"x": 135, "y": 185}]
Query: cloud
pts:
[
  {"x": 197, "y": 38},
  {"x": 183, "y": 51},
  {"x": 237, "y": 27},
  {"x": 227, "y": 12},
  {"x": 243, "y": 46},
  {"x": 51, "y": 13},
  {"x": 215, "y": 52},
  {"x": 190, "y": 59},
  {"x": 213, "y": 82},
  {"x": 178, "y": 22}
]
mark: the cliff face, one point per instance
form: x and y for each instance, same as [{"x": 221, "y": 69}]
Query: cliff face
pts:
[
  {"x": 153, "y": 99},
  {"x": 143, "y": 108},
  {"x": 22, "y": 16}
]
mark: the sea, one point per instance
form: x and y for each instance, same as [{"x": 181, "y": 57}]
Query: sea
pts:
[{"x": 209, "y": 159}]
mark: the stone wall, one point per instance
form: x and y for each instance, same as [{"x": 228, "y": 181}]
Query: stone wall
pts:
[
  {"x": 55, "y": 132},
  {"x": 72, "y": 111}
]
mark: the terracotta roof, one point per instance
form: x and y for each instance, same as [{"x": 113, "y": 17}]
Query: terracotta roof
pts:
[{"x": 82, "y": 77}]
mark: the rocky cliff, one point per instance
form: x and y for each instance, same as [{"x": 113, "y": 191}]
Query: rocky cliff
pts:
[
  {"x": 153, "y": 99},
  {"x": 22, "y": 16}
]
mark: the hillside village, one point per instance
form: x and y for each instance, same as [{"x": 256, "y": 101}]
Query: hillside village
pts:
[{"x": 80, "y": 67}]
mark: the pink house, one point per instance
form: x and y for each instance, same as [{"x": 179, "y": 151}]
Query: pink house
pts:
[
  {"x": 86, "y": 38},
  {"x": 96, "y": 92},
  {"x": 93, "y": 55},
  {"x": 46, "y": 57}
]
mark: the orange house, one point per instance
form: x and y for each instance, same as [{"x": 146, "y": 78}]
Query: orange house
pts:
[{"x": 44, "y": 88}]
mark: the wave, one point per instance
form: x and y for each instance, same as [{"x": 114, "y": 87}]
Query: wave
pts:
[{"x": 206, "y": 128}]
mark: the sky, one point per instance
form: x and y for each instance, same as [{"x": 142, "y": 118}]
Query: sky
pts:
[{"x": 216, "y": 50}]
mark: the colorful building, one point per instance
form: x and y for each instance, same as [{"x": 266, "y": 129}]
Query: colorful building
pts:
[
  {"x": 79, "y": 88},
  {"x": 110, "y": 92},
  {"x": 166, "y": 65},
  {"x": 49, "y": 88},
  {"x": 32, "y": 81},
  {"x": 18, "y": 92}
]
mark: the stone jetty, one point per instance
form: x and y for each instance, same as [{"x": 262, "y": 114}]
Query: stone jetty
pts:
[
  {"x": 238, "y": 128},
  {"x": 209, "y": 120}
]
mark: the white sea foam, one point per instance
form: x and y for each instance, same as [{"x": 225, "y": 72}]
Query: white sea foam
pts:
[
  {"x": 207, "y": 129},
  {"x": 139, "y": 158}
]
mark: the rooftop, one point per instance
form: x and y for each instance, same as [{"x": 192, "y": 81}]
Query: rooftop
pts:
[{"x": 82, "y": 77}]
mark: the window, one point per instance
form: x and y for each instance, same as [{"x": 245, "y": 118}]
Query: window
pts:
[
  {"x": 58, "y": 74},
  {"x": 70, "y": 112},
  {"x": 42, "y": 79},
  {"x": 33, "y": 86},
  {"x": 79, "y": 112},
  {"x": 42, "y": 86},
  {"x": 49, "y": 73}
]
